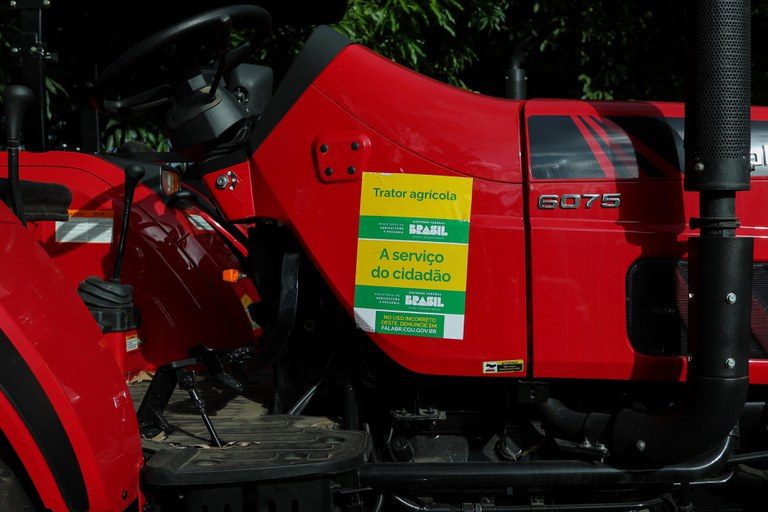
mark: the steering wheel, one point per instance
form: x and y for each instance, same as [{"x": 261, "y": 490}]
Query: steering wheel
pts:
[{"x": 219, "y": 20}]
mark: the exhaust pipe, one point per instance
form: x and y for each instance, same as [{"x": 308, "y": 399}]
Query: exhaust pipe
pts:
[{"x": 717, "y": 144}]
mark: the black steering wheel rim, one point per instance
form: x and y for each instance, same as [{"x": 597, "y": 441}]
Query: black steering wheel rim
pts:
[{"x": 177, "y": 31}]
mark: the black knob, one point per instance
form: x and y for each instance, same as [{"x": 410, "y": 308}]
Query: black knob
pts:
[
  {"x": 133, "y": 174},
  {"x": 181, "y": 199},
  {"x": 16, "y": 99}
]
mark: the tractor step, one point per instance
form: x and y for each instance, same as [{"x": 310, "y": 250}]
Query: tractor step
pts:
[
  {"x": 256, "y": 447},
  {"x": 278, "y": 447}
]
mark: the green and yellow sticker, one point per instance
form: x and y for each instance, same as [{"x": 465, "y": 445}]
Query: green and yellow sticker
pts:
[{"x": 412, "y": 249}]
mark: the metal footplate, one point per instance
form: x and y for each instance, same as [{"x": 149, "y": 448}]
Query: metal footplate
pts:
[{"x": 273, "y": 448}]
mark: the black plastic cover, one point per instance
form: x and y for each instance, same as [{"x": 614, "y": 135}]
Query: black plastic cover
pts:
[
  {"x": 42, "y": 201},
  {"x": 110, "y": 303}
]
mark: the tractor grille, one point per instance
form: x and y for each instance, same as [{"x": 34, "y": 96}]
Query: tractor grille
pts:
[{"x": 657, "y": 308}]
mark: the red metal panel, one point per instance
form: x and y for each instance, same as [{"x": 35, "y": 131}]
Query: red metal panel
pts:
[
  {"x": 580, "y": 257},
  {"x": 235, "y": 191},
  {"x": 55, "y": 334},
  {"x": 414, "y": 125},
  {"x": 466, "y": 132}
]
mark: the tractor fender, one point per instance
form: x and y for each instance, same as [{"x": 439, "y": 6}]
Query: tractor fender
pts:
[{"x": 64, "y": 407}]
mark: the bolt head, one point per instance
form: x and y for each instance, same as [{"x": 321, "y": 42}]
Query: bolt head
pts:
[
  {"x": 730, "y": 298},
  {"x": 699, "y": 167},
  {"x": 355, "y": 146},
  {"x": 328, "y": 171},
  {"x": 730, "y": 363},
  {"x": 324, "y": 148},
  {"x": 46, "y": 2},
  {"x": 221, "y": 181},
  {"x": 640, "y": 445},
  {"x": 351, "y": 170},
  {"x": 13, "y": 3},
  {"x": 14, "y": 50}
]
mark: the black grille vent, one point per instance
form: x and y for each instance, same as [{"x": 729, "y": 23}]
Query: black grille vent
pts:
[{"x": 657, "y": 308}]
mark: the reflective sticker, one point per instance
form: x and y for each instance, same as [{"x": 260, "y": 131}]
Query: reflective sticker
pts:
[
  {"x": 132, "y": 341},
  {"x": 412, "y": 250},
  {"x": 86, "y": 227},
  {"x": 508, "y": 366},
  {"x": 198, "y": 222}
]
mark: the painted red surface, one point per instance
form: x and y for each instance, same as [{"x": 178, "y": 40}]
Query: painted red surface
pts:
[
  {"x": 52, "y": 330},
  {"x": 414, "y": 125},
  {"x": 580, "y": 258},
  {"x": 174, "y": 266},
  {"x": 568, "y": 276}
]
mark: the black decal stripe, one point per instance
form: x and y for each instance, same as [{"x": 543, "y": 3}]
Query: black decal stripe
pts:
[
  {"x": 19, "y": 385},
  {"x": 623, "y": 140},
  {"x": 657, "y": 145},
  {"x": 619, "y": 167}
]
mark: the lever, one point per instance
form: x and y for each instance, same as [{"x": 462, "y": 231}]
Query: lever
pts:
[
  {"x": 225, "y": 25},
  {"x": 16, "y": 99},
  {"x": 188, "y": 383},
  {"x": 133, "y": 175}
]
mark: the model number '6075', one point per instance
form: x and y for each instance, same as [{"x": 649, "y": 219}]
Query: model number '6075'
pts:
[{"x": 573, "y": 201}]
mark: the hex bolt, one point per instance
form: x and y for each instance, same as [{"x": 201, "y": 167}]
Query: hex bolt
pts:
[
  {"x": 640, "y": 445},
  {"x": 730, "y": 298},
  {"x": 351, "y": 170},
  {"x": 328, "y": 171},
  {"x": 355, "y": 146},
  {"x": 324, "y": 148},
  {"x": 730, "y": 363},
  {"x": 221, "y": 182},
  {"x": 699, "y": 167}
]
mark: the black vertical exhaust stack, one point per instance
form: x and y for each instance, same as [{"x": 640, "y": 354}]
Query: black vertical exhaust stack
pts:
[
  {"x": 717, "y": 147},
  {"x": 717, "y": 165}
]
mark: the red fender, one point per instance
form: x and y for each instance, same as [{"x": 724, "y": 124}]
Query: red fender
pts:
[{"x": 65, "y": 407}]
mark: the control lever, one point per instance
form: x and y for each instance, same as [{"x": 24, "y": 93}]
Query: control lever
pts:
[
  {"x": 16, "y": 99},
  {"x": 133, "y": 175},
  {"x": 225, "y": 25},
  {"x": 188, "y": 383}
]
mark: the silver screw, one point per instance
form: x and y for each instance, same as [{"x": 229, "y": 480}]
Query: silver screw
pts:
[
  {"x": 640, "y": 445},
  {"x": 699, "y": 167},
  {"x": 46, "y": 2},
  {"x": 730, "y": 363},
  {"x": 730, "y": 298},
  {"x": 13, "y": 3},
  {"x": 221, "y": 181},
  {"x": 14, "y": 51}
]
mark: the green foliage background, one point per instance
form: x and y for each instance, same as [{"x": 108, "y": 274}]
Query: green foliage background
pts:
[{"x": 601, "y": 49}]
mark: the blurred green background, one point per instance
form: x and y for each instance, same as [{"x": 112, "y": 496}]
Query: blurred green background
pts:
[{"x": 603, "y": 49}]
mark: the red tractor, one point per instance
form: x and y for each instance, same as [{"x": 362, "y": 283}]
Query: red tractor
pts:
[{"x": 371, "y": 290}]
